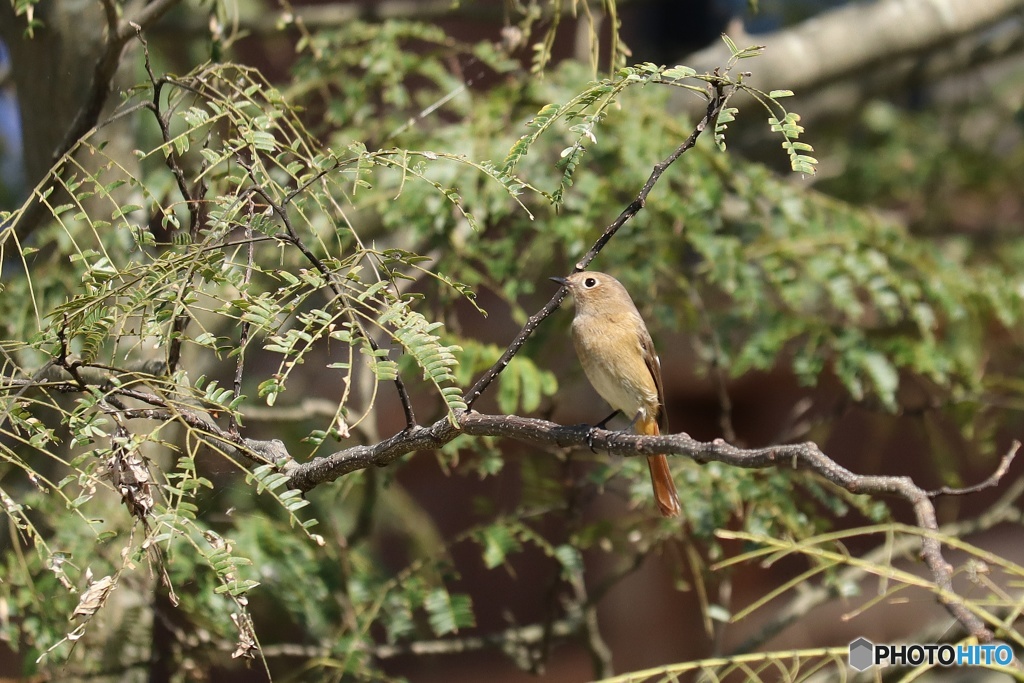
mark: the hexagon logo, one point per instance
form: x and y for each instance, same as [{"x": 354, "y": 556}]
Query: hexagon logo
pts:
[{"x": 862, "y": 653}]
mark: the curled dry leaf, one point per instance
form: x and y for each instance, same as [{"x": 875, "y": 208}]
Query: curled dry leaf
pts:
[
  {"x": 130, "y": 476},
  {"x": 94, "y": 597},
  {"x": 247, "y": 646}
]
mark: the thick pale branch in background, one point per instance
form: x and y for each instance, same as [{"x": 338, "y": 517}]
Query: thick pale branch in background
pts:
[
  {"x": 920, "y": 39},
  {"x": 849, "y": 43}
]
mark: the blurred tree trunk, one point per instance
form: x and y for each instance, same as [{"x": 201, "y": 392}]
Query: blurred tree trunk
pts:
[{"x": 52, "y": 72}]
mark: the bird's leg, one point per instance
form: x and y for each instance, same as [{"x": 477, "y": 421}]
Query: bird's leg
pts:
[
  {"x": 604, "y": 422},
  {"x": 599, "y": 425}
]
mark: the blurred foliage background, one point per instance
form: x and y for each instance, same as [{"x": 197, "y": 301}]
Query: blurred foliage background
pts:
[{"x": 282, "y": 209}]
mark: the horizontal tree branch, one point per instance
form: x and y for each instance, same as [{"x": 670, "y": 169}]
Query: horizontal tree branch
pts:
[
  {"x": 260, "y": 452},
  {"x": 516, "y": 641},
  {"x": 808, "y": 456},
  {"x": 535, "y": 431}
]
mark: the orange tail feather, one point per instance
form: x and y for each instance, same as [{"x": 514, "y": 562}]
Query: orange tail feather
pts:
[
  {"x": 664, "y": 488},
  {"x": 661, "y": 477}
]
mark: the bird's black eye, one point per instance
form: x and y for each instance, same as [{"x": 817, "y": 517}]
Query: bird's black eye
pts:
[{"x": 590, "y": 282}]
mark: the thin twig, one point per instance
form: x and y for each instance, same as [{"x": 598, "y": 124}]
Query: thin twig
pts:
[
  {"x": 718, "y": 372},
  {"x": 192, "y": 202},
  {"x": 992, "y": 480},
  {"x": 243, "y": 337},
  {"x": 105, "y": 69}
]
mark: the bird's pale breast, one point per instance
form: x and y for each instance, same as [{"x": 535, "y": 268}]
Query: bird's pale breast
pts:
[{"x": 613, "y": 360}]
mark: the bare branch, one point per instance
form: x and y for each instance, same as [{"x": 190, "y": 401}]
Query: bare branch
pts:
[
  {"x": 257, "y": 451},
  {"x": 541, "y": 432},
  {"x": 243, "y": 337},
  {"x": 993, "y": 480},
  {"x": 516, "y": 642}
]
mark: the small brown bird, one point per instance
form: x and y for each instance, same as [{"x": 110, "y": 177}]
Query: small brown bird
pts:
[{"x": 618, "y": 357}]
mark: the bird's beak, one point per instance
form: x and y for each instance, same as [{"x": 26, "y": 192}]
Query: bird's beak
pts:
[{"x": 560, "y": 280}]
